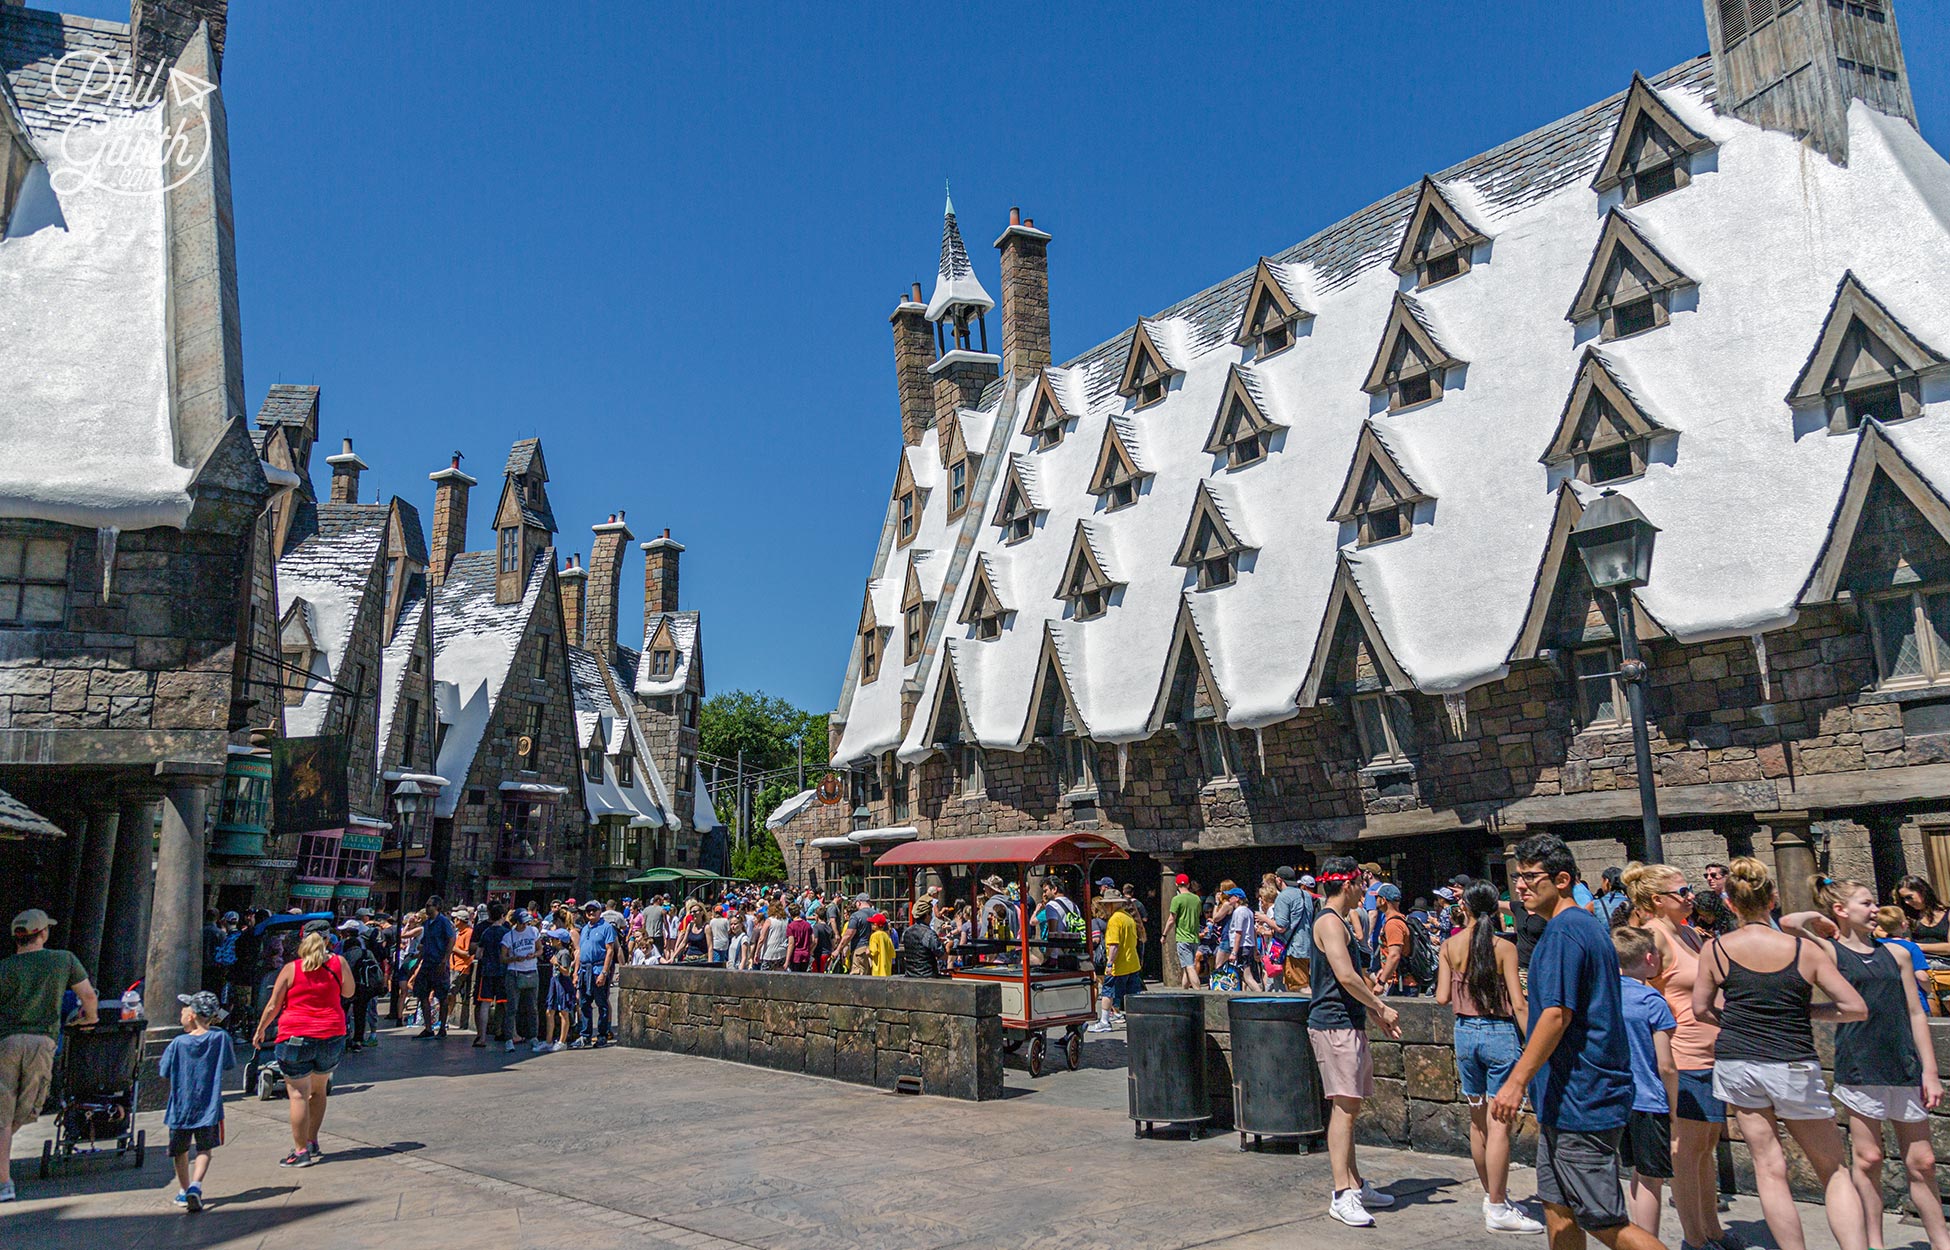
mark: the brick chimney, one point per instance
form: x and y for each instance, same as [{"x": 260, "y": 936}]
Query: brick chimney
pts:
[
  {"x": 605, "y": 585},
  {"x": 158, "y": 30},
  {"x": 346, "y": 468},
  {"x": 572, "y": 580},
  {"x": 449, "y": 518},
  {"x": 1025, "y": 297},
  {"x": 660, "y": 574},
  {"x": 913, "y": 353}
]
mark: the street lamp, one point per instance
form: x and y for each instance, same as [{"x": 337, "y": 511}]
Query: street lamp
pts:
[
  {"x": 799, "y": 859},
  {"x": 409, "y": 800},
  {"x": 1615, "y": 542}
]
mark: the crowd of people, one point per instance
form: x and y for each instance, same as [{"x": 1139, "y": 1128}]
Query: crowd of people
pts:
[{"x": 1634, "y": 1022}]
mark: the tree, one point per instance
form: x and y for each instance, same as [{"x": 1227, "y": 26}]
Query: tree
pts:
[{"x": 770, "y": 731}]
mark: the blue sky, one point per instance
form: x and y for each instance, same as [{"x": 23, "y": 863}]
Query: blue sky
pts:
[{"x": 667, "y": 238}]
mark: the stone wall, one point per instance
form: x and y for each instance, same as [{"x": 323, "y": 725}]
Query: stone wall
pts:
[
  {"x": 1418, "y": 1105},
  {"x": 866, "y": 1030}
]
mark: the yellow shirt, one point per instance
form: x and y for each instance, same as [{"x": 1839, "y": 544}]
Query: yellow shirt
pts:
[
  {"x": 880, "y": 954},
  {"x": 1121, "y": 932}
]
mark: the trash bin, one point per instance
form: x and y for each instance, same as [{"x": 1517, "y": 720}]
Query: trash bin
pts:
[
  {"x": 1165, "y": 1033},
  {"x": 1275, "y": 1084}
]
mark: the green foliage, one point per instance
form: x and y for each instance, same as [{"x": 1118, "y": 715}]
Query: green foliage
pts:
[{"x": 769, "y": 731}]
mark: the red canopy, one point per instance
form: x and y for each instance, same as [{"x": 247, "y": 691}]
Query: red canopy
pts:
[{"x": 1028, "y": 848}]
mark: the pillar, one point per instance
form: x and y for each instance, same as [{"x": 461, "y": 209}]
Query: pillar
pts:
[
  {"x": 94, "y": 869},
  {"x": 176, "y": 917},
  {"x": 125, "y": 930},
  {"x": 1794, "y": 858}
]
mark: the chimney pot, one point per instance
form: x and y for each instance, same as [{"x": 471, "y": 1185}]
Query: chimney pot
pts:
[
  {"x": 1015, "y": 216},
  {"x": 347, "y": 449}
]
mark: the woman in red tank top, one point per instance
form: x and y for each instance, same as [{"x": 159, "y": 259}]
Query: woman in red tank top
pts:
[{"x": 308, "y": 1006}]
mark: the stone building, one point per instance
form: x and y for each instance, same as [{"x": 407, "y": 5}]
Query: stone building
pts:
[
  {"x": 1284, "y": 569},
  {"x": 506, "y": 821},
  {"x": 669, "y": 696}
]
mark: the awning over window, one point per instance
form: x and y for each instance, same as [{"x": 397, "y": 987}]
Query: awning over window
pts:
[{"x": 1037, "y": 848}]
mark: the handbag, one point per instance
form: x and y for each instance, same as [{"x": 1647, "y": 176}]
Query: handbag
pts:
[{"x": 1226, "y": 978}]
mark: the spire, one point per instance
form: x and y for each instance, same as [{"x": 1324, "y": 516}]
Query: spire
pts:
[{"x": 958, "y": 292}]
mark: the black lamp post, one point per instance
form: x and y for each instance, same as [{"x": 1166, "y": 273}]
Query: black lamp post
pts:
[
  {"x": 1615, "y": 541},
  {"x": 408, "y": 801}
]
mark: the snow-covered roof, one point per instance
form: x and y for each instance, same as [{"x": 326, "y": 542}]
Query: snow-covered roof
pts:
[
  {"x": 599, "y": 718},
  {"x": 85, "y": 405},
  {"x": 782, "y": 814},
  {"x": 474, "y": 642},
  {"x": 955, "y": 283},
  {"x": 684, "y": 634},
  {"x": 329, "y": 572},
  {"x": 704, "y": 817},
  {"x": 396, "y": 664},
  {"x": 1742, "y": 494}
]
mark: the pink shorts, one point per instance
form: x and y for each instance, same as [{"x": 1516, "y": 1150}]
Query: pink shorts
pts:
[{"x": 1346, "y": 1064}]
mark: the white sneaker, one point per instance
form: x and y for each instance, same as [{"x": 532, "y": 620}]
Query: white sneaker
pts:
[
  {"x": 1100, "y": 1026},
  {"x": 558, "y": 1046},
  {"x": 509, "y": 1047},
  {"x": 539, "y": 1047},
  {"x": 1508, "y": 1217},
  {"x": 1347, "y": 1208},
  {"x": 7, "y": 1191},
  {"x": 1374, "y": 1199}
]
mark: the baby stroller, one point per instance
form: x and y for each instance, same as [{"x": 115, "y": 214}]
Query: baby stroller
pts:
[{"x": 95, "y": 1093}]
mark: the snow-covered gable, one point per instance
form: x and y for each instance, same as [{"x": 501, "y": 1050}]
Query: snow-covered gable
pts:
[
  {"x": 330, "y": 572},
  {"x": 1743, "y": 498},
  {"x": 601, "y": 722},
  {"x": 682, "y": 627},
  {"x": 474, "y": 643}
]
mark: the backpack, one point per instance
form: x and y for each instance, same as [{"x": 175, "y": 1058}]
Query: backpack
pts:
[
  {"x": 367, "y": 975},
  {"x": 1418, "y": 960},
  {"x": 226, "y": 953}
]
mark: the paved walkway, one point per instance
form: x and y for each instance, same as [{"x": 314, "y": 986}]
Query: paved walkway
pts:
[{"x": 434, "y": 1145}]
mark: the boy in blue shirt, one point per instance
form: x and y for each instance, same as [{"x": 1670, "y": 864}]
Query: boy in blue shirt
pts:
[
  {"x": 1649, "y": 1026},
  {"x": 194, "y": 1064}
]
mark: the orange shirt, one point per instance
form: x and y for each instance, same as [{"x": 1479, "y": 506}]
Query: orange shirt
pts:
[
  {"x": 1692, "y": 1043},
  {"x": 463, "y": 957}
]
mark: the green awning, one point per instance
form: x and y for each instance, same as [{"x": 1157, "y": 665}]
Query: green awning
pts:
[{"x": 658, "y": 876}]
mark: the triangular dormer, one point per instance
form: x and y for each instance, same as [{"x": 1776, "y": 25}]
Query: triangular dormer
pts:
[
  {"x": 1565, "y": 611},
  {"x": 299, "y": 648},
  {"x": 1270, "y": 315},
  {"x": 915, "y": 611},
  {"x": 1016, "y": 508},
  {"x": 1209, "y": 543},
  {"x": 661, "y": 653},
  {"x": 956, "y": 467},
  {"x": 1890, "y": 531},
  {"x": 1187, "y": 694},
  {"x": 524, "y": 524},
  {"x": 1865, "y": 362},
  {"x": 1410, "y": 364},
  {"x": 948, "y": 719},
  {"x": 1047, "y": 417},
  {"x": 1086, "y": 585},
  {"x": 1378, "y": 496},
  {"x": 1437, "y": 241},
  {"x": 1651, "y": 150},
  {"x": 1147, "y": 373},
  {"x": 1628, "y": 285},
  {"x": 1350, "y": 655},
  {"x": 873, "y": 641},
  {"x": 909, "y": 499},
  {"x": 1241, "y": 430},
  {"x": 1115, "y": 480},
  {"x": 1603, "y": 431},
  {"x": 982, "y": 608},
  {"x": 1052, "y": 709}
]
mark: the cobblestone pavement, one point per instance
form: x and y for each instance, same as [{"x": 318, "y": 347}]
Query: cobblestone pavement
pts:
[{"x": 431, "y": 1144}]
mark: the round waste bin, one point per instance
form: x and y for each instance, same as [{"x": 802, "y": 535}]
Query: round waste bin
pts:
[
  {"x": 1275, "y": 1084},
  {"x": 1166, "y": 1037}
]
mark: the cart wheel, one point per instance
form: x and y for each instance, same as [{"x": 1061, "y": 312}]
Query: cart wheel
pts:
[
  {"x": 1073, "y": 1050},
  {"x": 141, "y": 1146},
  {"x": 47, "y": 1159},
  {"x": 1036, "y": 1048},
  {"x": 1242, "y": 1142}
]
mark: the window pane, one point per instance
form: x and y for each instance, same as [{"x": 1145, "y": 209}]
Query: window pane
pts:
[
  {"x": 1895, "y": 625},
  {"x": 1367, "y": 721},
  {"x": 1597, "y": 695},
  {"x": 47, "y": 560},
  {"x": 42, "y": 603},
  {"x": 9, "y": 603},
  {"x": 1936, "y": 615},
  {"x": 10, "y": 551}
]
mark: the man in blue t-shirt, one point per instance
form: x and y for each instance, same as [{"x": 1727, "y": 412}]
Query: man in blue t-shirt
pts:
[
  {"x": 595, "y": 970},
  {"x": 1577, "y": 1063}
]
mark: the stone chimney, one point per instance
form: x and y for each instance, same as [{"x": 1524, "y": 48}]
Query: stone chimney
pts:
[
  {"x": 572, "y": 581},
  {"x": 960, "y": 377},
  {"x": 346, "y": 468},
  {"x": 1025, "y": 297},
  {"x": 449, "y": 518},
  {"x": 159, "y": 29},
  {"x": 1795, "y": 69},
  {"x": 605, "y": 585},
  {"x": 660, "y": 574},
  {"x": 913, "y": 353}
]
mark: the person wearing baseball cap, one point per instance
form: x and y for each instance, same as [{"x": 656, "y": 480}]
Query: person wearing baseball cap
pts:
[
  {"x": 32, "y": 981},
  {"x": 194, "y": 1063},
  {"x": 1187, "y": 913}
]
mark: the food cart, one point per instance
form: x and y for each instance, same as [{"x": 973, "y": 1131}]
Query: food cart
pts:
[{"x": 1046, "y": 981}]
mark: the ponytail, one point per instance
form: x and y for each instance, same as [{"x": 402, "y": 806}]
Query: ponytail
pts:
[{"x": 1480, "y": 973}]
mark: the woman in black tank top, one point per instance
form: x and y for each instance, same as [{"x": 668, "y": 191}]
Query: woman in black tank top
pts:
[
  {"x": 1885, "y": 1066},
  {"x": 1757, "y": 984}
]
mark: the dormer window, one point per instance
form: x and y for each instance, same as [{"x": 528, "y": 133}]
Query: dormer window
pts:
[
  {"x": 1241, "y": 430},
  {"x": 1437, "y": 239},
  {"x": 1649, "y": 184},
  {"x": 1209, "y": 545},
  {"x": 1417, "y": 388},
  {"x": 1047, "y": 415},
  {"x": 592, "y": 764},
  {"x": 907, "y": 504},
  {"x": 663, "y": 663},
  {"x": 968, "y": 769},
  {"x": 509, "y": 544},
  {"x": 907, "y": 511},
  {"x": 1382, "y": 724},
  {"x": 957, "y": 488},
  {"x": 626, "y": 770},
  {"x": 1086, "y": 585},
  {"x": 869, "y": 654},
  {"x": 1866, "y": 364},
  {"x": 1603, "y": 432},
  {"x": 1411, "y": 363},
  {"x": 1147, "y": 374},
  {"x": 1115, "y": 480},
  {"x": 1380, "y": 516},
  {"x": 1628, "y": 285},
  {"x": 915, "y": 620},
  {"x": 1016, "y": 511},
  {"x": 1150, "y": 388},
  {"x": 1245, "y": 450},
  {"x": 1275, "y": 338},
  {"x": 1651, "y": 150},
  {"x": 1378, "y": 496},
  {"x": 1272, "y": 311},
  {"x": 983, "y": 609},
  {"x": 1017, "y": 522}
]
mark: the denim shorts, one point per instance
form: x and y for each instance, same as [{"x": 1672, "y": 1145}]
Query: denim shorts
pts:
[
  {"x": 1697, "y": 1101},
  {"x": 302, "y": 1056},
  {"x": 1486, "y": 1050}
]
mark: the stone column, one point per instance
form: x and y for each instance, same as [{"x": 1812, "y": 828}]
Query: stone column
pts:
[
  {"x": 1794, "y": 858},
  {"x": 125, "y": 930},
  {"x": 94, "y": 869},
  {"x": 176, "y": 920},
  {"x": 1169, "y": 866}
]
